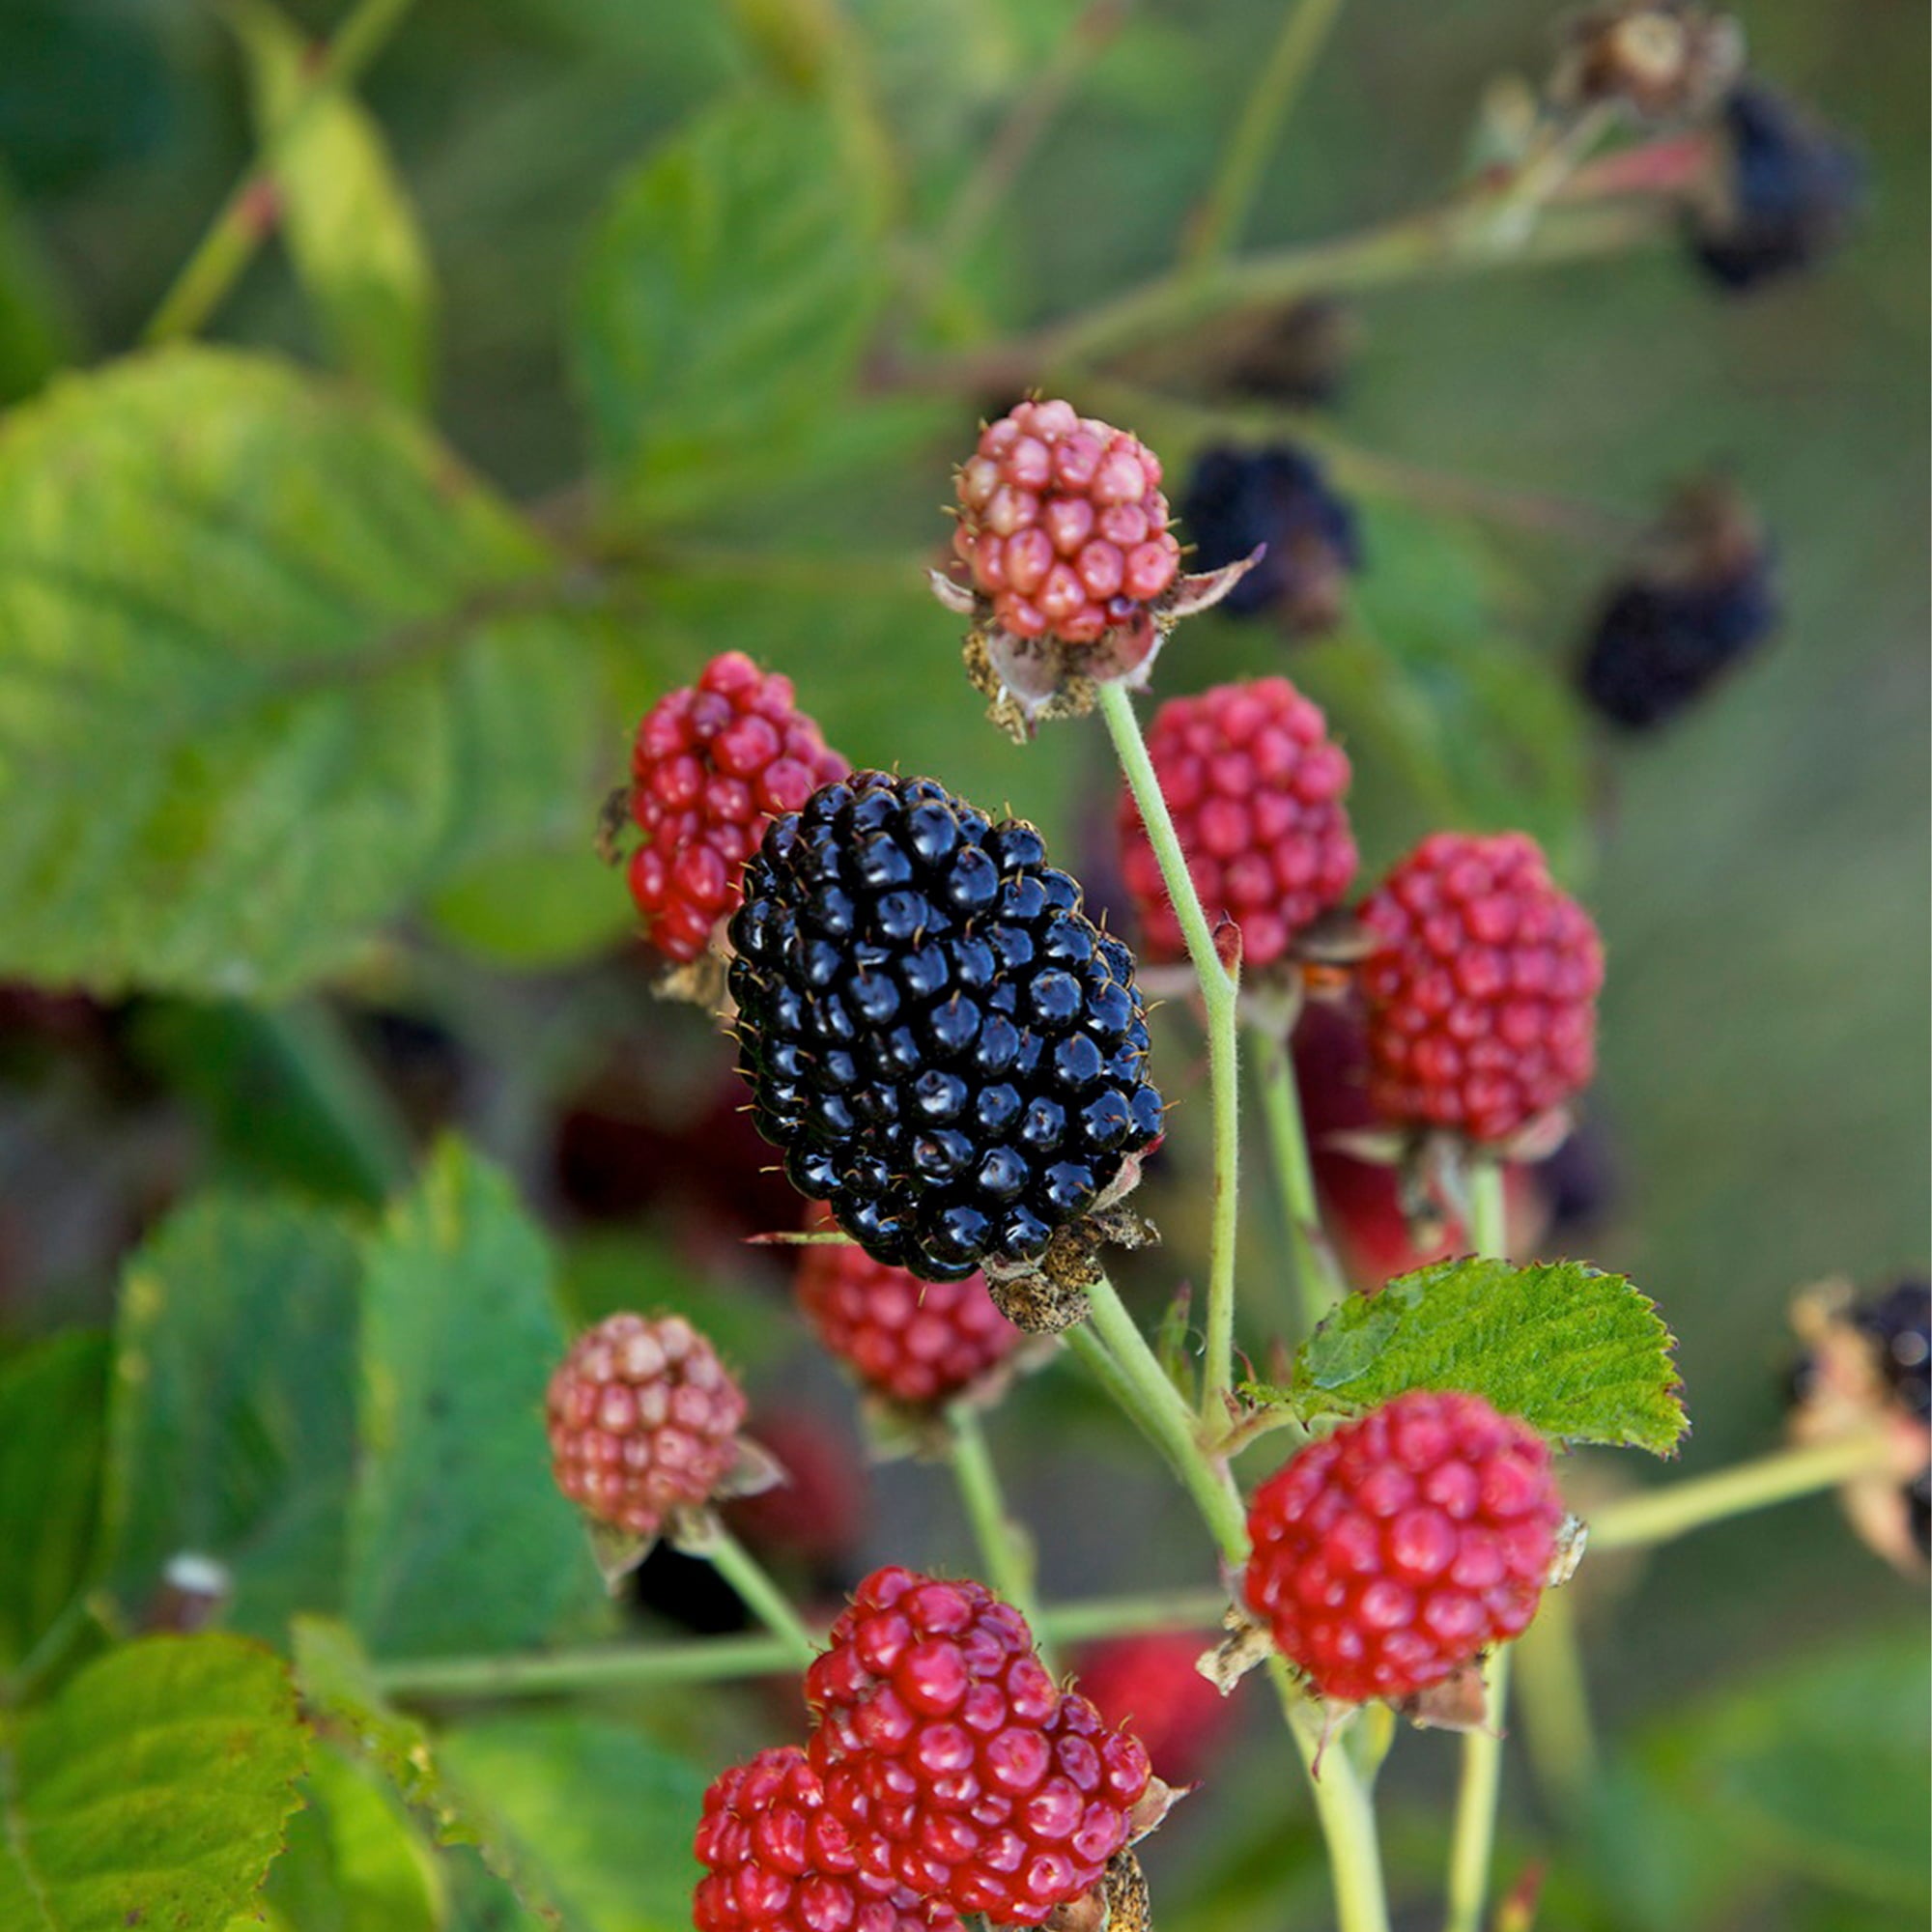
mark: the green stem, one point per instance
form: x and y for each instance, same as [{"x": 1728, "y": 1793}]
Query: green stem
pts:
[
  {"x": 1220, "y": 997},
  {"x": 1678, "y": 1508},
  {"x": 231, "y": 239},
  {"x": 1346, "y": 1807},
  {"x": 1472, "y": 1839},
  {"x": 1473, "y": 1836},
  {"x": 1316, "y": 1278},
  {"x": 611, "y": 1667},
  {"x": 1559, "y": 1732},
  {"x": 761, "y": 1596},
  {"x": 1003, "y": 1547},
  {"x": 1304, "y": 31}
]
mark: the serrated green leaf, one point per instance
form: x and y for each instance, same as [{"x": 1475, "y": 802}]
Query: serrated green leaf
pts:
[
  {"x": 350, "y": 230},
  {"x": 53, "y": 1425},
  {"x": 354, "y": 1862},
  {"x": 343, "y": 1696},
  {"x": 271, "y": 666},
  {"x": 152, "y": 1791},
  {"x": 1578, "y": 1353},
  {"x": 459, "y": 1537},
  {"x": 725, "y": 301},
  {"x": 602, "y": 1812},
  {"x": 234, "y": 1412}
]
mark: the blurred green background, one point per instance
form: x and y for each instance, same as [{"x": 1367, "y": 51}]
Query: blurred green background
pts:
[{"x": 1759, "y": 868}]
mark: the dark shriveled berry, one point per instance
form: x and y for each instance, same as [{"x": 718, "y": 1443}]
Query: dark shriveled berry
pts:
[{"x": 948, "y": 1051}]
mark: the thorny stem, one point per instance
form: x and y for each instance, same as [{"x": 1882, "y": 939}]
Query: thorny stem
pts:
[
  {"x": 609, "y": 1667},
  {"x": 1678, "y": 1508},
  {"x": 1473, "y": 1836},
  {"x": 231, "y": 239},
  {"x": 1003, "y": 1543},
  {"x": 1304, "y": 32},
  {"x": 1220, "y": 997},
  {"x": 1317, "y": 1279},
  {"x": 761, "y": 1596}
]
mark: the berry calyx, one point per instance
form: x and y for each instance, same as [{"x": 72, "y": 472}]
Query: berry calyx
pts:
[
  {"x": 1256, "y": 788},
  {"x": 644, "y": 1422},
  {"x": 1481, "y": 992},
  {"x": 1392, "y": 1552},
  {"x": 917, "y": 1343},
  {"x": 776, "y": 1859},
  {"x": 965, "y": 1773},
  {"x": 1278, "y": 496},
  {"x": 949, "y": 1052},
  {"x": 711, "y": 765}
]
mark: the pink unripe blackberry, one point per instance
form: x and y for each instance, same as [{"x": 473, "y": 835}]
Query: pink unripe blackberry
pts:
[
  {"x": 1392, "y": 1552},
  {"x": 1255, "y": 788},
  {"x": 965, "y": 1773},
  {"x": 776, "y": 1859},
  {"x": 916, "y": 1343},
  {"x": 711, "y": 766},
  {"x": 1481, "y": 993},
  {"x": 1062, "y": 523},
  {"x": 1150, "y": 1682},
  {"x": 643, "y": 1420}
]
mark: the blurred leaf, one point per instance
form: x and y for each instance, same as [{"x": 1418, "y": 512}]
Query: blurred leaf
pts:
[
  {"x": 354, "y": 1863},
  {"x": 605, "y": 1813},
  {"x": 725, "y": 301},
  {"x": 1577, "y": 1353},
  {"x": 233, "y": 1427},
  {"x": 151, "y": 1792},
  {"x": 282, "y": 1093},
  {"x": 1818, "y": 1767},
  {"x": 343, "y": 1698},
  {"x": 351, "y": 229},
  {"x": 36, "y": 332},
  {"x": 559, "y": 905},
  {"x": 271, "y": 664},
  {"x": 459, "y": 1539},
  {"x": 53, "y": 1401}
]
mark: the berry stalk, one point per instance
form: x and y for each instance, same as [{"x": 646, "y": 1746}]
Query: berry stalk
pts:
[
  {"x": 1220, "y": 997},
  {"x": 1003, "y": 1543},
  {"x": 761, "y": 1595},
  {"x": 1316, "y": 1278}
]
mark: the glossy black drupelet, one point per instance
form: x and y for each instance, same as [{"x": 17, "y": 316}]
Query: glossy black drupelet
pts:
[
  {"x": 946, "y": 1048},
  {"x": 1790, "y": 194},
  {"x": 1656, "y": 646}
]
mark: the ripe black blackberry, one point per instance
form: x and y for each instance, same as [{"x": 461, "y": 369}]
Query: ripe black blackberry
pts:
[
  {"x": 1898, "y": 1324},
  {"x": 949, "y": 1052},
  {"x": 1279, "y": 496}
]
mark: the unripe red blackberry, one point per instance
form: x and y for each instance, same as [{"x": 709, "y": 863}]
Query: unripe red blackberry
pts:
[
  {"x": 916, "y": 1343},
  {"x": 1256, "y": 787},
  {"x": 1149, "y": 1684},
  {"x": 776, "y": 1859},
  {"x": 966, "y": 1773},
  {"x": 1395, "y": 1549},
  {"x": 711, "y": 766},
  {"x": 643, "y": 1421},
  {"x": 1063, "y": 524},
  {"x": 948, "y": 1049},
  {"x": 1482, "y": 990}
]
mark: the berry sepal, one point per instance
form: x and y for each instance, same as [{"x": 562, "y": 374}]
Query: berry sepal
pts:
[{"x": 692, "y": 1529}]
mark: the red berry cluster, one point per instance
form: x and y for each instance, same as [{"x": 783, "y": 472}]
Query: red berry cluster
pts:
[
  {"x": 1481, "y": 989},
  {"x": 1256, "y": 787},
  {"x": 643, "y": 1420},
  {"x": 712, "y": 766},
  {"x": 964, "y": 1772},
  {"x": 1062, "y": 523},
  {"x": 917, "y": 1343},
  {"x": 776, "y": 1861},
  {"x": 1397, "y": 1549}
]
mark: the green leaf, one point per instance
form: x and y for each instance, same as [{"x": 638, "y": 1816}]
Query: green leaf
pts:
[
  {"x": 233, "y": 1426},
  {"x": 727, "y": 299},
  {"x": 354, "y": 1861},
  {"x": 344, "y": 1698},
  {"x": 271, "y": 666},
  {"x": 282, "y": 1093},
  {"x": 151, "y": 1792},
  {"x": 559, "y": 905},
  {"x": 53, "y": 1405},
  {"x": 1578, "y": 1353},
  {"x": 604, "y": 1813},
  {"x": 346, "y": 216},
  {"x": 460, "y": 1540}
]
